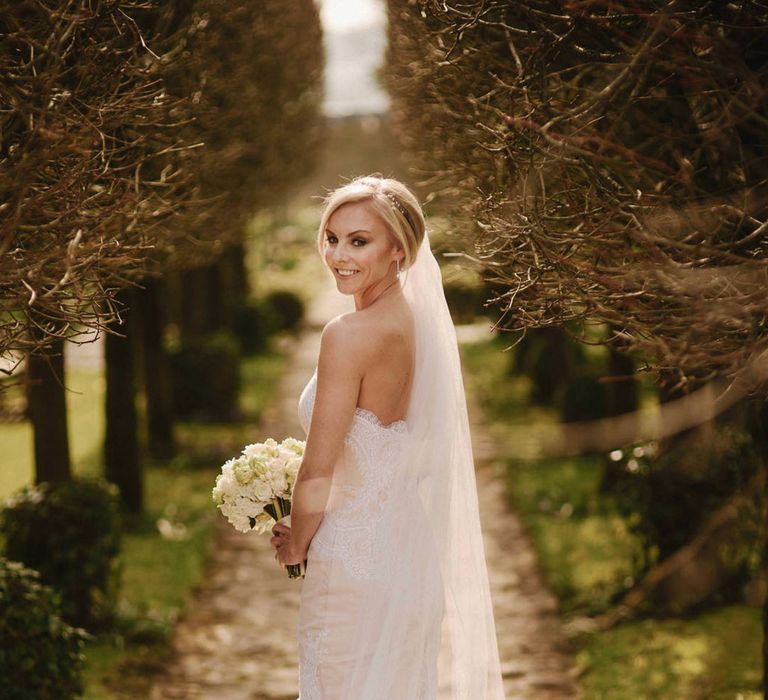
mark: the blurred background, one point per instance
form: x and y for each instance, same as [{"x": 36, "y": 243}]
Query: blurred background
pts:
[{"x": 595, "y": 183}]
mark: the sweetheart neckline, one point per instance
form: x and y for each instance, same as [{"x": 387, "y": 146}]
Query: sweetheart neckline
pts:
[{"x": 377, "y": 421}]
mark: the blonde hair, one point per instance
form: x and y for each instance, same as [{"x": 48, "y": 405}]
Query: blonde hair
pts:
[{"x": 393, "y": 202}]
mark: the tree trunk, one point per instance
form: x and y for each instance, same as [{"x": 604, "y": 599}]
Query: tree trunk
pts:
[
  {"x": 758, "y": 428},
  {"x": 765, "y": 564},
  {"x": 156, "y": 370},
  {"x": 621, "y": 398},
  {"x": 200, "y": 301},
  {"x": 234, "y": 282},
  {"x": 121, "y": 445},
  {"x": 47, "y": 411},
  {"x": 210, "y": 294}
]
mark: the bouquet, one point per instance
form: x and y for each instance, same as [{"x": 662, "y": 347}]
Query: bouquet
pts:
[{"x": 254, "y": 490}]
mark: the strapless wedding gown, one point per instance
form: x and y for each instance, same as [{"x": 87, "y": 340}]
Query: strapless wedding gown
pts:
[{"x": 372, "y": 575}]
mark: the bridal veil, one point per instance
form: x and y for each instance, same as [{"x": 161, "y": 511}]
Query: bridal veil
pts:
[
  {"x": 435, "y": 636},
  {"x": 441, "y": 453}
]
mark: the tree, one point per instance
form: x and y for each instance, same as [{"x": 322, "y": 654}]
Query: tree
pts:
[
  {"x": 83, "y": 118},
  {"x": 611, "y": 165},
  {"x": 231, "y": 66}
]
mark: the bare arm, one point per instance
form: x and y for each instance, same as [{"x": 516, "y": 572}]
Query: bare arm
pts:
[{"x": 339, "y": 375}]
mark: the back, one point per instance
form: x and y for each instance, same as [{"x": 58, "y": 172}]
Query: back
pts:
[{"x": 387, "y": 379}]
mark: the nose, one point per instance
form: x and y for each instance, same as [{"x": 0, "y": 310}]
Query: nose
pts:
[{"x": 338, "y": 255}]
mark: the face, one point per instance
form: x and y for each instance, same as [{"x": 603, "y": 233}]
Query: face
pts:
[{"x": 357, "y": 239}]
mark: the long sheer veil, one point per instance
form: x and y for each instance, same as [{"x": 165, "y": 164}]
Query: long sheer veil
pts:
[{"x": 440, "y": 450}]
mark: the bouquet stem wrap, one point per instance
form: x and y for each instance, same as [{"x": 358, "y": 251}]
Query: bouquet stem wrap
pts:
[{"x": 280, "y": 510}]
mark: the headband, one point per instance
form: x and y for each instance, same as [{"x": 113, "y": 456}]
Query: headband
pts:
[{"x": 400, "y": 208}]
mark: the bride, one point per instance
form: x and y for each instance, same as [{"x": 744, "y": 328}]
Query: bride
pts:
[{"x": 395, "y": 604}]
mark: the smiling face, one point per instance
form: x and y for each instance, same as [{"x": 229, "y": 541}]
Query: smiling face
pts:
[{"x": 360, "y": 251}]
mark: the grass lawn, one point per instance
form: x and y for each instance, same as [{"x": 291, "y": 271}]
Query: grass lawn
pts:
[
  {"x": 586, "y": 553},
  {"x": 159, "y": 572},
  {"x": 86, "y": 432}
]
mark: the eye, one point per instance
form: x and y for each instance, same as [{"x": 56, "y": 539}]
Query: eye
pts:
[
  {"x": 360, "y": 240},
  {"x": 329, "y": 237}
]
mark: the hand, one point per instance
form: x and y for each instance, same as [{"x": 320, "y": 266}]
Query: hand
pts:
[{"x": 285, "y": 551}]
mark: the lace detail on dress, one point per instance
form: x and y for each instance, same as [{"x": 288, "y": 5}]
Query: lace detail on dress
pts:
[
  {"x": 311, "y": 648},
  {"x": 350, "y": 532},
  {"x": 398, "y": 425},
  {"x": 373, "y": 563}
]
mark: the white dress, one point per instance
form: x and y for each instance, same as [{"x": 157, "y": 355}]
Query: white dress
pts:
[{"x": 372, "y": 564}]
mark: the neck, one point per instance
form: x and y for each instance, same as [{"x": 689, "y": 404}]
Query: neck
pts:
[{"x": 363, "y": 302}]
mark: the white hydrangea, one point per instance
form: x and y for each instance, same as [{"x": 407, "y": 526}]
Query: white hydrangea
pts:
[{"x": 261, "y": 474}]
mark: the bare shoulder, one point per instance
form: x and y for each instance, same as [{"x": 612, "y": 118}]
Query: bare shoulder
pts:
[
  {"x": 344, "y": 344},
  {"x": 358, "y": 337},
  {"x": 342, "y": 333}
]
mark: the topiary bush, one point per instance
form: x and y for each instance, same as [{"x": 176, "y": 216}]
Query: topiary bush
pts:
[
  {"x": 205, "y": 373},
  {"x": 583, "y": 398},
  {"x": 253, "y": 324},
  {"x": 40, "y": 654},
  {"x": 465, "y": 301},
  {"x": 70, "y": 532},
  {"x": 665, "y": 495},
  {"x": 286, "y": 307}
]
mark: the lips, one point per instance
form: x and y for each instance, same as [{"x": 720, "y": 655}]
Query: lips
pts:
[{"x": 344, "y": 273}]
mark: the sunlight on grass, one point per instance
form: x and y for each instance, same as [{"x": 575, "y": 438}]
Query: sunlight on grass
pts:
[
  {"x": 708, "y": 657},
  {"x": 584, "y": 548},
  {"x": 283, "y": 252},
  {"x": 85, "y": 403},
  {"x": 158, "y": 579}
]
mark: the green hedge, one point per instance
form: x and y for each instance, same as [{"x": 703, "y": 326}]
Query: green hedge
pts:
[
  {"x": 70, "y": 532},
  {"x": 286, "y": 307},
  {"x": 666, "y": 494},
  {"x": 206, "y": 378},
  {"x": 40, "y": 654}
]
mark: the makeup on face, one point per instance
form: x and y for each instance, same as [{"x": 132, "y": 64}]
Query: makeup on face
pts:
[{"x": 358, "y": 247}]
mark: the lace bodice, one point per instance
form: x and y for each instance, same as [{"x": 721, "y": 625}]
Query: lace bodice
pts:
[{"x": 367, "y": 482}]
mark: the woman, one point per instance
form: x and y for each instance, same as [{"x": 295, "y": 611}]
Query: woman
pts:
[{"x": 395, "y": 604}]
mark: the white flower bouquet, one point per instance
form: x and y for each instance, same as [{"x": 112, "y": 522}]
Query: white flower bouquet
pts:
[{"x": 254, "y": 489}]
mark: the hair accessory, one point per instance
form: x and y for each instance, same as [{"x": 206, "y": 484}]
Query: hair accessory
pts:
[
  {"x": 400, "y": 208},
  {"x": 396, "y": 202}
]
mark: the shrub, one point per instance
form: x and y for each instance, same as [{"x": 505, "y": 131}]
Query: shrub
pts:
[
  {"x": 70, "y": 532},
  {"x": 206, "y": 377},
  {"x": 584, "y": 398},
  {"x": 551, "y": 358},
  {"x": 40, "y": 654},
  {"x": 666, "y": 496},
  {"x": 286, "y": 308},
  {"x": 253, "y": 324},
  {"x": 465, "y": 301}
]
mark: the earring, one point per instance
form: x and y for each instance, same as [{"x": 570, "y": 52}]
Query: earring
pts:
[{"x": 398, "y": 267}]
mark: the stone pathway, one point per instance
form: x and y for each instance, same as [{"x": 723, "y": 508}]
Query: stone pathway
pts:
[
  {"x": 535, "y": 660},
  {"x": 237, "y": 641}
]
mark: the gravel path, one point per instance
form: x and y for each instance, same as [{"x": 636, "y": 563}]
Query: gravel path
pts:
[{"x": 237, "y": 641}]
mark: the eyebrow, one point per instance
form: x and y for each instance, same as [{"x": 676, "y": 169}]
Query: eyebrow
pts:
[{"x": 360, "y": 230}]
